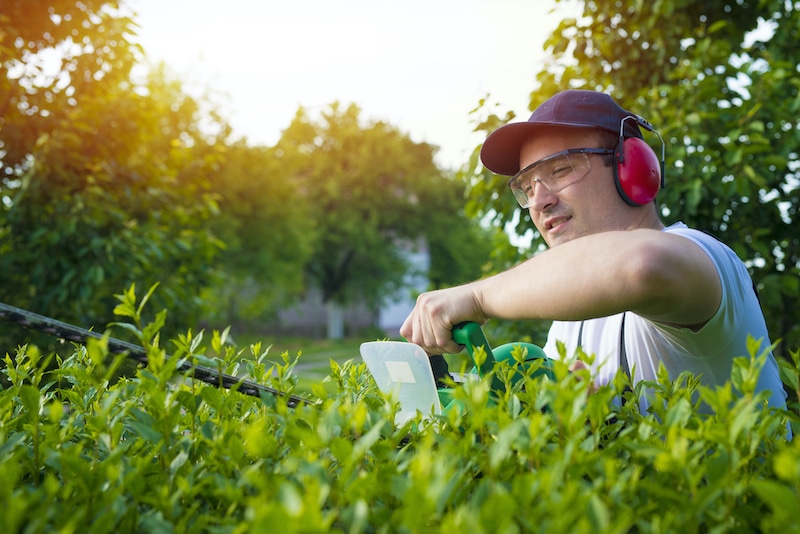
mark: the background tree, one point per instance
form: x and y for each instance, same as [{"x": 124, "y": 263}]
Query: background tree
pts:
[
  {"x": 374, "y": 193},
  {"x": 268, "y": 232},
  {"x": 113, "y": 197},
  {"x": 108, "y": 181},
  {"x": 54, "y": 54},
  {"x": 720, "y": 83},
  {"x": 105, "y": 181},
  {"x": 460, "y": 247}
]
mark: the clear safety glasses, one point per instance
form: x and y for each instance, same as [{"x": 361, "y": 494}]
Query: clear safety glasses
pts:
[{"x": 554, "y": 172}]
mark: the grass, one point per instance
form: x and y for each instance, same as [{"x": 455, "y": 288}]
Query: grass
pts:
[{"x": 315, "y": 355}]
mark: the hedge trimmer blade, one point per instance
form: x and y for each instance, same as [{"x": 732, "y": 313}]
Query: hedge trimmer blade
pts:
[
  {"x": 403, "y": 369},
  {"x": 70, "y": 332}
]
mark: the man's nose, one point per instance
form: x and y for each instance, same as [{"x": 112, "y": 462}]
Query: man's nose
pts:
[{"x": 542, "y": 198}]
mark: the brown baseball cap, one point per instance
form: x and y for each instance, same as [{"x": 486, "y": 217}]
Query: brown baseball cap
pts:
[{"x": 571, "y": 108}]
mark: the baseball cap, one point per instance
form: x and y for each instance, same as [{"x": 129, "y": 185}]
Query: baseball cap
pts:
[{"x": 572, "y": 108}]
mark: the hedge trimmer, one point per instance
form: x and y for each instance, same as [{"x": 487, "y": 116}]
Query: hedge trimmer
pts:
[
  {"x": 77, "y": 334},
  {"x": 405, "y": 370},
  {"x": 399, "y": 368}
]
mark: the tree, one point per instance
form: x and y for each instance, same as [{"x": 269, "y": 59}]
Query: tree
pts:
[
  {"x": 54, "y": 54},
  {"x": 105, "y": 181},
  {"x": 720, "y": 83},
  {"x": 267, "y": 229},
  {"x": 99, "y": 211},
  {"x": 371, "y": 189},
  {"x": 460, "y": 247}
]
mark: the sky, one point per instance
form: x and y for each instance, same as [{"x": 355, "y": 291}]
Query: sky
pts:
[{"x": 419, "y": 65}]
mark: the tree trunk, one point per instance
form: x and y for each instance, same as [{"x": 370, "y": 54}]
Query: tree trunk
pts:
[{"x": 335, "y": 320}]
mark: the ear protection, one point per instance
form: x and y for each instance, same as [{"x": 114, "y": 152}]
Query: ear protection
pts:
[{"x": 638, "y": 173}]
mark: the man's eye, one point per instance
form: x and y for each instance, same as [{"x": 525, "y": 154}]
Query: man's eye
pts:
[{"x": 561, "y": 170}]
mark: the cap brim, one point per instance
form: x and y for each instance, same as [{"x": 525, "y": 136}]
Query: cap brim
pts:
[{"x": 501, "y": 150}]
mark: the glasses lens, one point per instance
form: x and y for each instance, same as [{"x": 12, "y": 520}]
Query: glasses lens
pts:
[{"x": 554, "y": 174}]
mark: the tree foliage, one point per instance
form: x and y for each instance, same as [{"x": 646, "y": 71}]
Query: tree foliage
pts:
[
  {"x": 54, "y": 54},
  {"x": 110, "y": 180},
  {"x": 267, "y": 229},
  {"x": 105, "y": 181},
  {"x": 91, "y": 216},
  {"x": 460, "y": 248},
  {"x": 374, "y": 193},
  {"x": 719, "y": 80}
]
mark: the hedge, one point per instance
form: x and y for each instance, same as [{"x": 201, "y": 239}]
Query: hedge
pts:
[{"x": 83, "y": 450}]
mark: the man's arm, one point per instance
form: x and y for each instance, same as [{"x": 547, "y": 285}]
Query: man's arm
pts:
[{"x": 663, "y": 277}]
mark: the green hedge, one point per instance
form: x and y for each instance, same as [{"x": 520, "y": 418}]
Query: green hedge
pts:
[{"x": 84, "y": 452}]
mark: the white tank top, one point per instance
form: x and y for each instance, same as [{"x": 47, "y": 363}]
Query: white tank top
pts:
[{"x": 707, "y": 353}]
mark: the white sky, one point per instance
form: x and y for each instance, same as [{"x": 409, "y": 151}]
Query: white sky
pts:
[{"x": 420, "y": 65}]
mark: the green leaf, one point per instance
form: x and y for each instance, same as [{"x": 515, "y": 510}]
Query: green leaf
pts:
[
  {"x": 786, "y": 467},
  {"x": 146, "y": 432},
  {"x": 31, "y": 399},
  {"x": 151, "y": 330},
  {"x": 599, "y": 516},
  {"x": 780, "y": 499},
  {"x": 145, "y": 299},
  {"x": 178, "y": 462},
  {"x": 127, "y": 307}
]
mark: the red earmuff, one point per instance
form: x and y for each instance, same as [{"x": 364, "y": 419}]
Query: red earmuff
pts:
[{"x": 638, "y": 173}]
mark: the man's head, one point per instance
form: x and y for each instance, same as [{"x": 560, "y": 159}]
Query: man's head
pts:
[{"x": 565, "y": 161}]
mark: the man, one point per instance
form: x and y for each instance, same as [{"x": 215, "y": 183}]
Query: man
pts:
[{"x": 614, "y": 280}]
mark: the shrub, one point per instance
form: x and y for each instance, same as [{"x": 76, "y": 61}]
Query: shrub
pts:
[{"x": 161, "y": 452}]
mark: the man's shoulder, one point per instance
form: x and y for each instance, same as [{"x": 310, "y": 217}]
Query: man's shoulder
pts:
[{"x": 701, "y": 237}]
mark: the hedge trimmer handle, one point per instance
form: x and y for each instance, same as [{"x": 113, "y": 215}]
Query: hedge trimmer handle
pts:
[{"x": 470, "y": 334}]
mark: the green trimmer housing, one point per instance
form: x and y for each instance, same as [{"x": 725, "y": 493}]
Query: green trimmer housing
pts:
[{"x": 470, "y": 334}]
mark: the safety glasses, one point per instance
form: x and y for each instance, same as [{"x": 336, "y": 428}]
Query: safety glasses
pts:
[{"x": 554, "y": 172}]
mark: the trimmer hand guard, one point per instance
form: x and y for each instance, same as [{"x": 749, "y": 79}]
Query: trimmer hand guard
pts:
[{"x": 470, "y": 334}]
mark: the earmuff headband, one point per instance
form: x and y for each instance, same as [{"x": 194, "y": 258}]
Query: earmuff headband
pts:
[{"x": 649, "y": 127}]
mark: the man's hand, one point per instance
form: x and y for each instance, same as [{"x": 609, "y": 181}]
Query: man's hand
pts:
[
  {"x": 430, "y": 324},
  {"x": 581, "y": 366}
]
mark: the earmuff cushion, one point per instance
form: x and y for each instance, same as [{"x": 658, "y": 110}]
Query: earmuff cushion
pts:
[{"x": 637, "y": 172}]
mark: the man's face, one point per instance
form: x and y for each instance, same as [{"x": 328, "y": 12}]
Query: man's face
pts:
[{"x": 587, "y": 206}]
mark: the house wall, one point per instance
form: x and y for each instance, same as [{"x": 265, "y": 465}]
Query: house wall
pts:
[
  {"x": 310, "y": 316},
  {"x": 392, "y": 314}
]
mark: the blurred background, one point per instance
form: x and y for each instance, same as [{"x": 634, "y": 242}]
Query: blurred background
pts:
[{"x": 302, "y": 170}]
